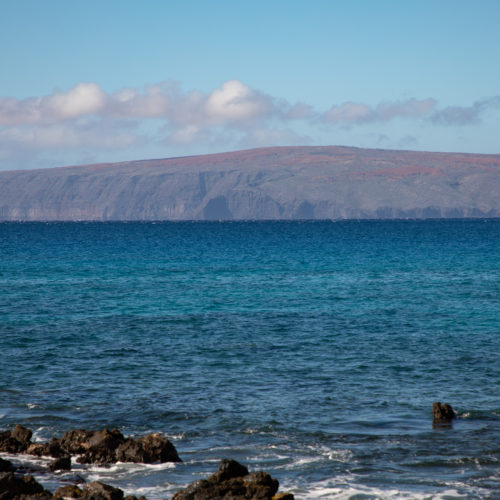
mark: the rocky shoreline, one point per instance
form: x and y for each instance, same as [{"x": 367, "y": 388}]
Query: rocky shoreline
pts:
[{"x": 232, "y": 480}]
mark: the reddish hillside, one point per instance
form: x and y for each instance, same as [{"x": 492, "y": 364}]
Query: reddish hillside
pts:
[{"x": 322, "y": 182}]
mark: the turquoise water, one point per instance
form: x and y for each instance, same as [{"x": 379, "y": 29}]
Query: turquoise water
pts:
[{"x": 313, "y": 350}]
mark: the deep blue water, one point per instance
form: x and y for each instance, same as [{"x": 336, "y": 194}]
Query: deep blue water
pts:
[{"x": 313, "y": 350}]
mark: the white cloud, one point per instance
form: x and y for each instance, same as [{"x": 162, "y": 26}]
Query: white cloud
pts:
[
  {"x": 82, "y": 100},
  {"x": 235, "y": 101},
  {"x": 348, "y": 112},
  {"x": 464, "y": 115},
  {"x": 359, "y": 113},
  {"x": 87, "y": 118},
  {"x": 232, "y": 102},
  {"x": 102, "y": 135}
]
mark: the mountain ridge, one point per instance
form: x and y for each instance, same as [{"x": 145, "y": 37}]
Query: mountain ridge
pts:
[{"x": 296, "y": 182}]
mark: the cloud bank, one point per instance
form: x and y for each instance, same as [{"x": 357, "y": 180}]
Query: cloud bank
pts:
[{"x": 231, "y": 115}]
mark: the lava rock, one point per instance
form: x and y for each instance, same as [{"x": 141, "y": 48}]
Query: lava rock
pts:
[
  {"x": 442, "y": 413},
  {"x": 62, "y": 463},
  {"x": 15, "y": 441},
  {"x": 283, "y": 496},
  {"x": 102, "y": 447},
  {"x": 37, "y": 449},
  {"x": 14, "y": 487},
  {"x": 94, "y": 447},
  {"x": 100, "y": 491},
  {"x": 149, "y": 449},
  {"x": 232, "y": 480},
  {"x": 229, "y": 469},
  {"x": 68, "y": 491},
  {"x": 22, "y": 434},
  {"x": 6, "y": 465},
  {"x": 76, "y": 441},
  {"x": 9, "y": 444}
]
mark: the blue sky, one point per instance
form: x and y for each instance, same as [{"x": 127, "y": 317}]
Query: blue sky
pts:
[{"x": 85, "y": 82}]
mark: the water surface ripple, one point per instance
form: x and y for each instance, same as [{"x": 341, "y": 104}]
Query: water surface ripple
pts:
[{"x": 313, "y": 350}]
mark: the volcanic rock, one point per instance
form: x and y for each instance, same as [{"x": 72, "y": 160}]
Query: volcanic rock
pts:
[
  {"x": 63, "y": 463},
  {"x": 15, "y": 441},
  {"x": 442, "y": 413},
  {"x": 14, "y": 487},
  {"x": 75, "y": 441},
  {"x": 6, "y": 466},
  {"x": 100, "y": 491},
  {"x": 68, "y": 491},
  {"x": 9, "y": 444},
  {"x": 101, "y": 447},
  {"x": 22, "y": 434},
  {"x": 149, "y": 449},
  {"x": 232, "y": 480},
  {"x": 229, "y": 469},
  {"x": 51, "y": 449}
]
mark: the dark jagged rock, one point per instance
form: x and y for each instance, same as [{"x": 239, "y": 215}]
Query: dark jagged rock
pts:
[
  {"x": 37, "y": 449},
  {"x": 93, "y": 491},
  {"x": 229, "y": 469},
  {"x": 6, "y": 465},
  {"x": 442, "y": 413},
  {"x": 106, "y": 439},
  {"x": 8, "y": 444},
  {"x": 99, "y": 447},
  {"x": 76, "y": 441},
  {"x": 22, "y": 434},
  {"x": 55, "y": 449},
  {"x": 63, "y": 463},
  {"x": 233, "y": 481},
  {"x": 14, "y": 487},
  {"x": 100, "y": 491},
  {"x": 149, "y": 449},
  {"x": 68, "y": 491},
  {"x": 15, "y": 441},
  {"x": 102, "y": 447},
  {"x": 51, "y": 449}
]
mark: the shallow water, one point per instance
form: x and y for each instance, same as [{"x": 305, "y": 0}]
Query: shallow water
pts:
[{"x": 313, "y": 350}]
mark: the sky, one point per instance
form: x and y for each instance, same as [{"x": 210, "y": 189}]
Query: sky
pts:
[{"x": 91, "y": 81}]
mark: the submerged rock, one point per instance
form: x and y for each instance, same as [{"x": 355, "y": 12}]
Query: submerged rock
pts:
[
  {"x": 233, "y": 481},
  {"x": 442, "y": 413}
]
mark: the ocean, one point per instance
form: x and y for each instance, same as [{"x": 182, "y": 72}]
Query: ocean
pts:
[{"x": 312, "y": 350}]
